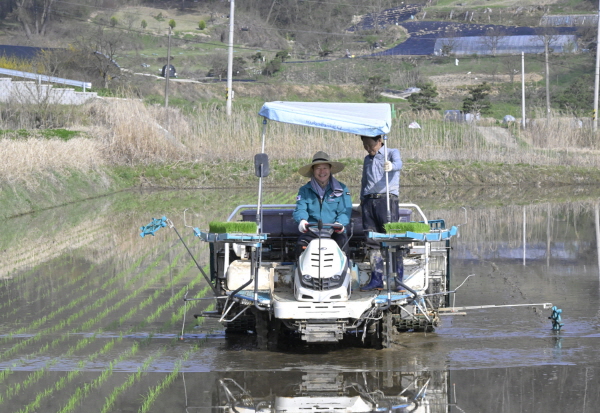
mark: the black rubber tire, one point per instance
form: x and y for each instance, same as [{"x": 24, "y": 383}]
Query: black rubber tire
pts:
[
  {"x": 267, "y": 331},
  {"x": 241, "y": 325},
  {"x": 380, "y": 332}
]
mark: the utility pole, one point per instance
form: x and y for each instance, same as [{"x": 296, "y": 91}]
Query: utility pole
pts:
[
  {"x": 523, "y": 89},
  {"x": 546, "y": 45},
  {"x": 168, "y": 70},
  {"x": 597, "y": 82},
  {"x": 230, "y": 59}
]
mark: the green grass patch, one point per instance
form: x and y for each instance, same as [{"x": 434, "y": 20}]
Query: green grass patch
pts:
[
  {"x": 223, "y": 227},
  {"x": 402, "y": 227},
  {"x": 61, "y": 134}
]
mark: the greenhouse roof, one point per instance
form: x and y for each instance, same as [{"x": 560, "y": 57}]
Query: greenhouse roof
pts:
[{"x": 482, "y": 45}]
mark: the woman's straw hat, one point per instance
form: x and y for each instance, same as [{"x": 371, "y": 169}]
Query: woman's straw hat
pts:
[{"x": 319, "y": 158}]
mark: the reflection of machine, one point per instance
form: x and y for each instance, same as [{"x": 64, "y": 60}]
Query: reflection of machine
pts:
[{"x": 423, "y": 392}]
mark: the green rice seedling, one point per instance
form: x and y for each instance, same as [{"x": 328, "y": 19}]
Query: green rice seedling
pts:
[
  {"x": 155, "y": 391},
  {"x": 175, "y": 298},
  {"x": 60, "y": 384},
  {"x": 76, "y": 398},
  {"x": 111, "y": 399},
  {"x": 402, "y": 227},
  {"x": 46, "y": 293},
  {"x": 240, "y": 227},
  {"x": 87, "y": 340},
  {"x": 71, "y": 318}
]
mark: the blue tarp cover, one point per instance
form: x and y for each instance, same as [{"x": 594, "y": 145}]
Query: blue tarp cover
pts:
[{"x": 369, "y": 119}]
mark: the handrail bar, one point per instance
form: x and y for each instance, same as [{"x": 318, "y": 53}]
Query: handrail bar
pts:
[{"x": 45, "y": 78}]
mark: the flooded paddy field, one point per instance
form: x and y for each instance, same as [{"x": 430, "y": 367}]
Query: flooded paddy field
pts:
[{"x": 92, "y": 316}]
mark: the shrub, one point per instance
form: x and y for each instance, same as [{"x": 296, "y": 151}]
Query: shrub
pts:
[
  {"x": 273, "y": 67},
  {"x": 424, "y": 100},
  {"x": 373, "y": 88},
  {"x": 478, "y": 102},
  {"x": 282, "y": 55}
]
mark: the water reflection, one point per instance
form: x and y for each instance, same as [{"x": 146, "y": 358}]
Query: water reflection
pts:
[
  {"x": 105, "y": 228},
  {"x": 425, "y": 391},
  {"x": 561, "y": 231},
  {"x": 505, "y": 390},
  {"x": 86, "y": 271}
]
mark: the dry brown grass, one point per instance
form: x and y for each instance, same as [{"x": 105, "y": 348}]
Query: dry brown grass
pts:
[
  {"x": 131, "y": 132},
  {"x": 24, "y": 160},
  {"x": 127, "y": 132}
]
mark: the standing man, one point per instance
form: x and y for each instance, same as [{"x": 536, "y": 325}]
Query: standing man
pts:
[{"x": 373, "y": 200}]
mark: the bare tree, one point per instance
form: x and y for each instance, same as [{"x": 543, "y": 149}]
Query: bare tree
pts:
[
  {"x": 378, "y": 6},
  {"x": 99, "y": 52},
  {"x": 6, "y": 7},
  {"x": 449, "y": 41},
  {"x": 34, "y": 15},
  {"x": 512, "y": 65},
  {"x": 493, "y": 37},
  {"x": 130, "y": 19},
  {"x": 549, "y": 36}
]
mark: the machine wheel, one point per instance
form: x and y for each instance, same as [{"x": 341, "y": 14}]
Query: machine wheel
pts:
[
  {"x": 267, "y": 331},
  {"x": 381, "y": 332},
  {"x": 241, "y": 325}
]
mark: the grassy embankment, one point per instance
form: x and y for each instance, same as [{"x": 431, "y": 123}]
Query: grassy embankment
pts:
[{"x": 123, "y": 144}]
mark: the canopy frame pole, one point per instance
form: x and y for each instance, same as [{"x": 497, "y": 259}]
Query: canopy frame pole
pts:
[
  {"x": 259, "y": 209},
  {"x": 264, "y": 133},
  {"x": 387, "y": 181}
]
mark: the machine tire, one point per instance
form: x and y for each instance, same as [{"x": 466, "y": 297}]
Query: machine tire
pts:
[
  {"x": 241, "y": 325},
  {"x": 381, "y": 332},
  {"x": 267, "y": 331}
]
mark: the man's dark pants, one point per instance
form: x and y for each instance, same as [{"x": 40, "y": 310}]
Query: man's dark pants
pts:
[{"x": 374, "y": 215}]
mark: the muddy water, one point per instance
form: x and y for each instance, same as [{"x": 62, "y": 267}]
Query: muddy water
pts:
[{"x": 92, "y": 315}]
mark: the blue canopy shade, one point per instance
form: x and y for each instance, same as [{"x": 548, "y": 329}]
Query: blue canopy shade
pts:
[{"x": 368, "y": 119}]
